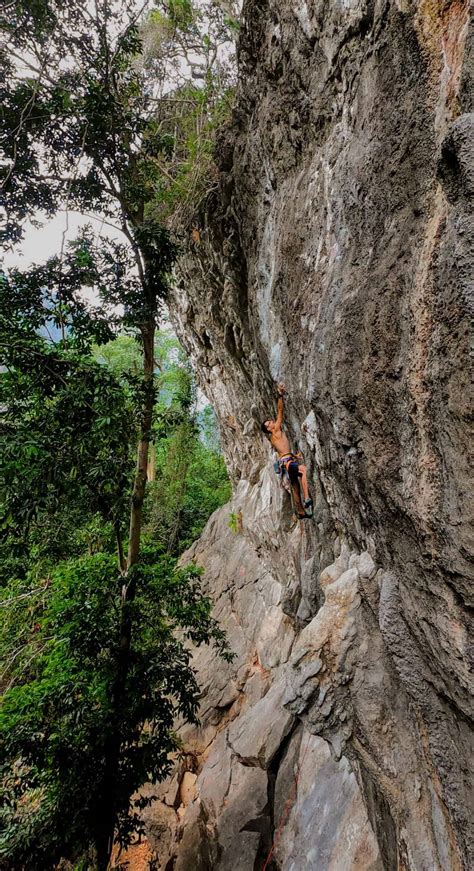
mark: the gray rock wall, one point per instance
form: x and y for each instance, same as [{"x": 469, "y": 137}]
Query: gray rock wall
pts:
[
  {"x": 337, "y": 255},
  {"x": 257, "y": 782}
]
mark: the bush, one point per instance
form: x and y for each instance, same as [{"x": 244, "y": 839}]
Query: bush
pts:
[{"x": 61, "y": 727}]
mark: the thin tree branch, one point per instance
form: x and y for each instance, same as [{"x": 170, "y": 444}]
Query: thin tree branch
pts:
[{"x": 27, "y": 595}]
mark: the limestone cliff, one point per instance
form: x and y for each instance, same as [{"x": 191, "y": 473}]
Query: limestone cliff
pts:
[{"x": 336, "y": 254}]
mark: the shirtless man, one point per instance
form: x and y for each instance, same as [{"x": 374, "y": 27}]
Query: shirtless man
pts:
[{"x": 287, "y": 459}]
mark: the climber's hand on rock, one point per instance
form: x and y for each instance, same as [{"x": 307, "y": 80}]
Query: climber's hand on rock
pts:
[{"x": 281, "y": 389}]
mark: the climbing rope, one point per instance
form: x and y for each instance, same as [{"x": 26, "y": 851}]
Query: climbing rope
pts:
[{"x": 288, "y": 806}]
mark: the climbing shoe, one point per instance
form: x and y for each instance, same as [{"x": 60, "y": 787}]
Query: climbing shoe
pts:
[{"x": 308, "y": 506}]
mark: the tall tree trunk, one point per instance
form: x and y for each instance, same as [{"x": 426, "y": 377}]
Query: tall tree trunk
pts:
[
  {"x": 122, "y": 562},
  {"x": 138, "y": 495},
  {"x": 107, "y": 811}
]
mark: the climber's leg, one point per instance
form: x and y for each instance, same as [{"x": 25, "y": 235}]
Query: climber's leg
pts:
[
  {"x": 293, "y": 474},
  {"x": 304, "y": 482},
  {"x": 308, "y": 502},
  {"x": 295, "y": 487}
]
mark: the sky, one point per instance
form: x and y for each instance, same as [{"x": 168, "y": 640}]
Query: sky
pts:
[{"x": 39, "y": 244}]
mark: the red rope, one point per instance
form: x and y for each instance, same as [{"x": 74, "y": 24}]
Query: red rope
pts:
[{"x": 286, "y": 810}]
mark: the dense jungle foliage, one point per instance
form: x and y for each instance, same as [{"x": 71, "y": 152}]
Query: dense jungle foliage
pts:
[{"x": 110, "y": 464}]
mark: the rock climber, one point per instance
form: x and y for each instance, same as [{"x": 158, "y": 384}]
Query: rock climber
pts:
[{"x": 288, "y": 460}]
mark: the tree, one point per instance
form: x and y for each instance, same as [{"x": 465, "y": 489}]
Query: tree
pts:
[
  {"x": 60, "y": 717},
  {"x": 81, "y": 130},
  {"x": 96, "y": 115},
  {"x": 89, "y": 706},
  {"x": 190, "y": 478},
  {"x": 107, "y": 129},
  {"x": 89, "y": 116}
]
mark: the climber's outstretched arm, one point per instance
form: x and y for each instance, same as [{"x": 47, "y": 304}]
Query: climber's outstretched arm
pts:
[{"x": 279, "y": 419}]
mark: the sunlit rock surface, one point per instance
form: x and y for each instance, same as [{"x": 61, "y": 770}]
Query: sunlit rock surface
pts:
[{"x": 336, "y": 254}]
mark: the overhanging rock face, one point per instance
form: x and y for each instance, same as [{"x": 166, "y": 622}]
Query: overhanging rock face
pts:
[{"x": 337, "y": 255}]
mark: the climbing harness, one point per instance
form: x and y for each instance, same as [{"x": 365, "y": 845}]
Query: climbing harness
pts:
[
  {"x": 285, "y": 469},
  {"x": 287, "y": 808},
  {"x": 291, "y": 462}
]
